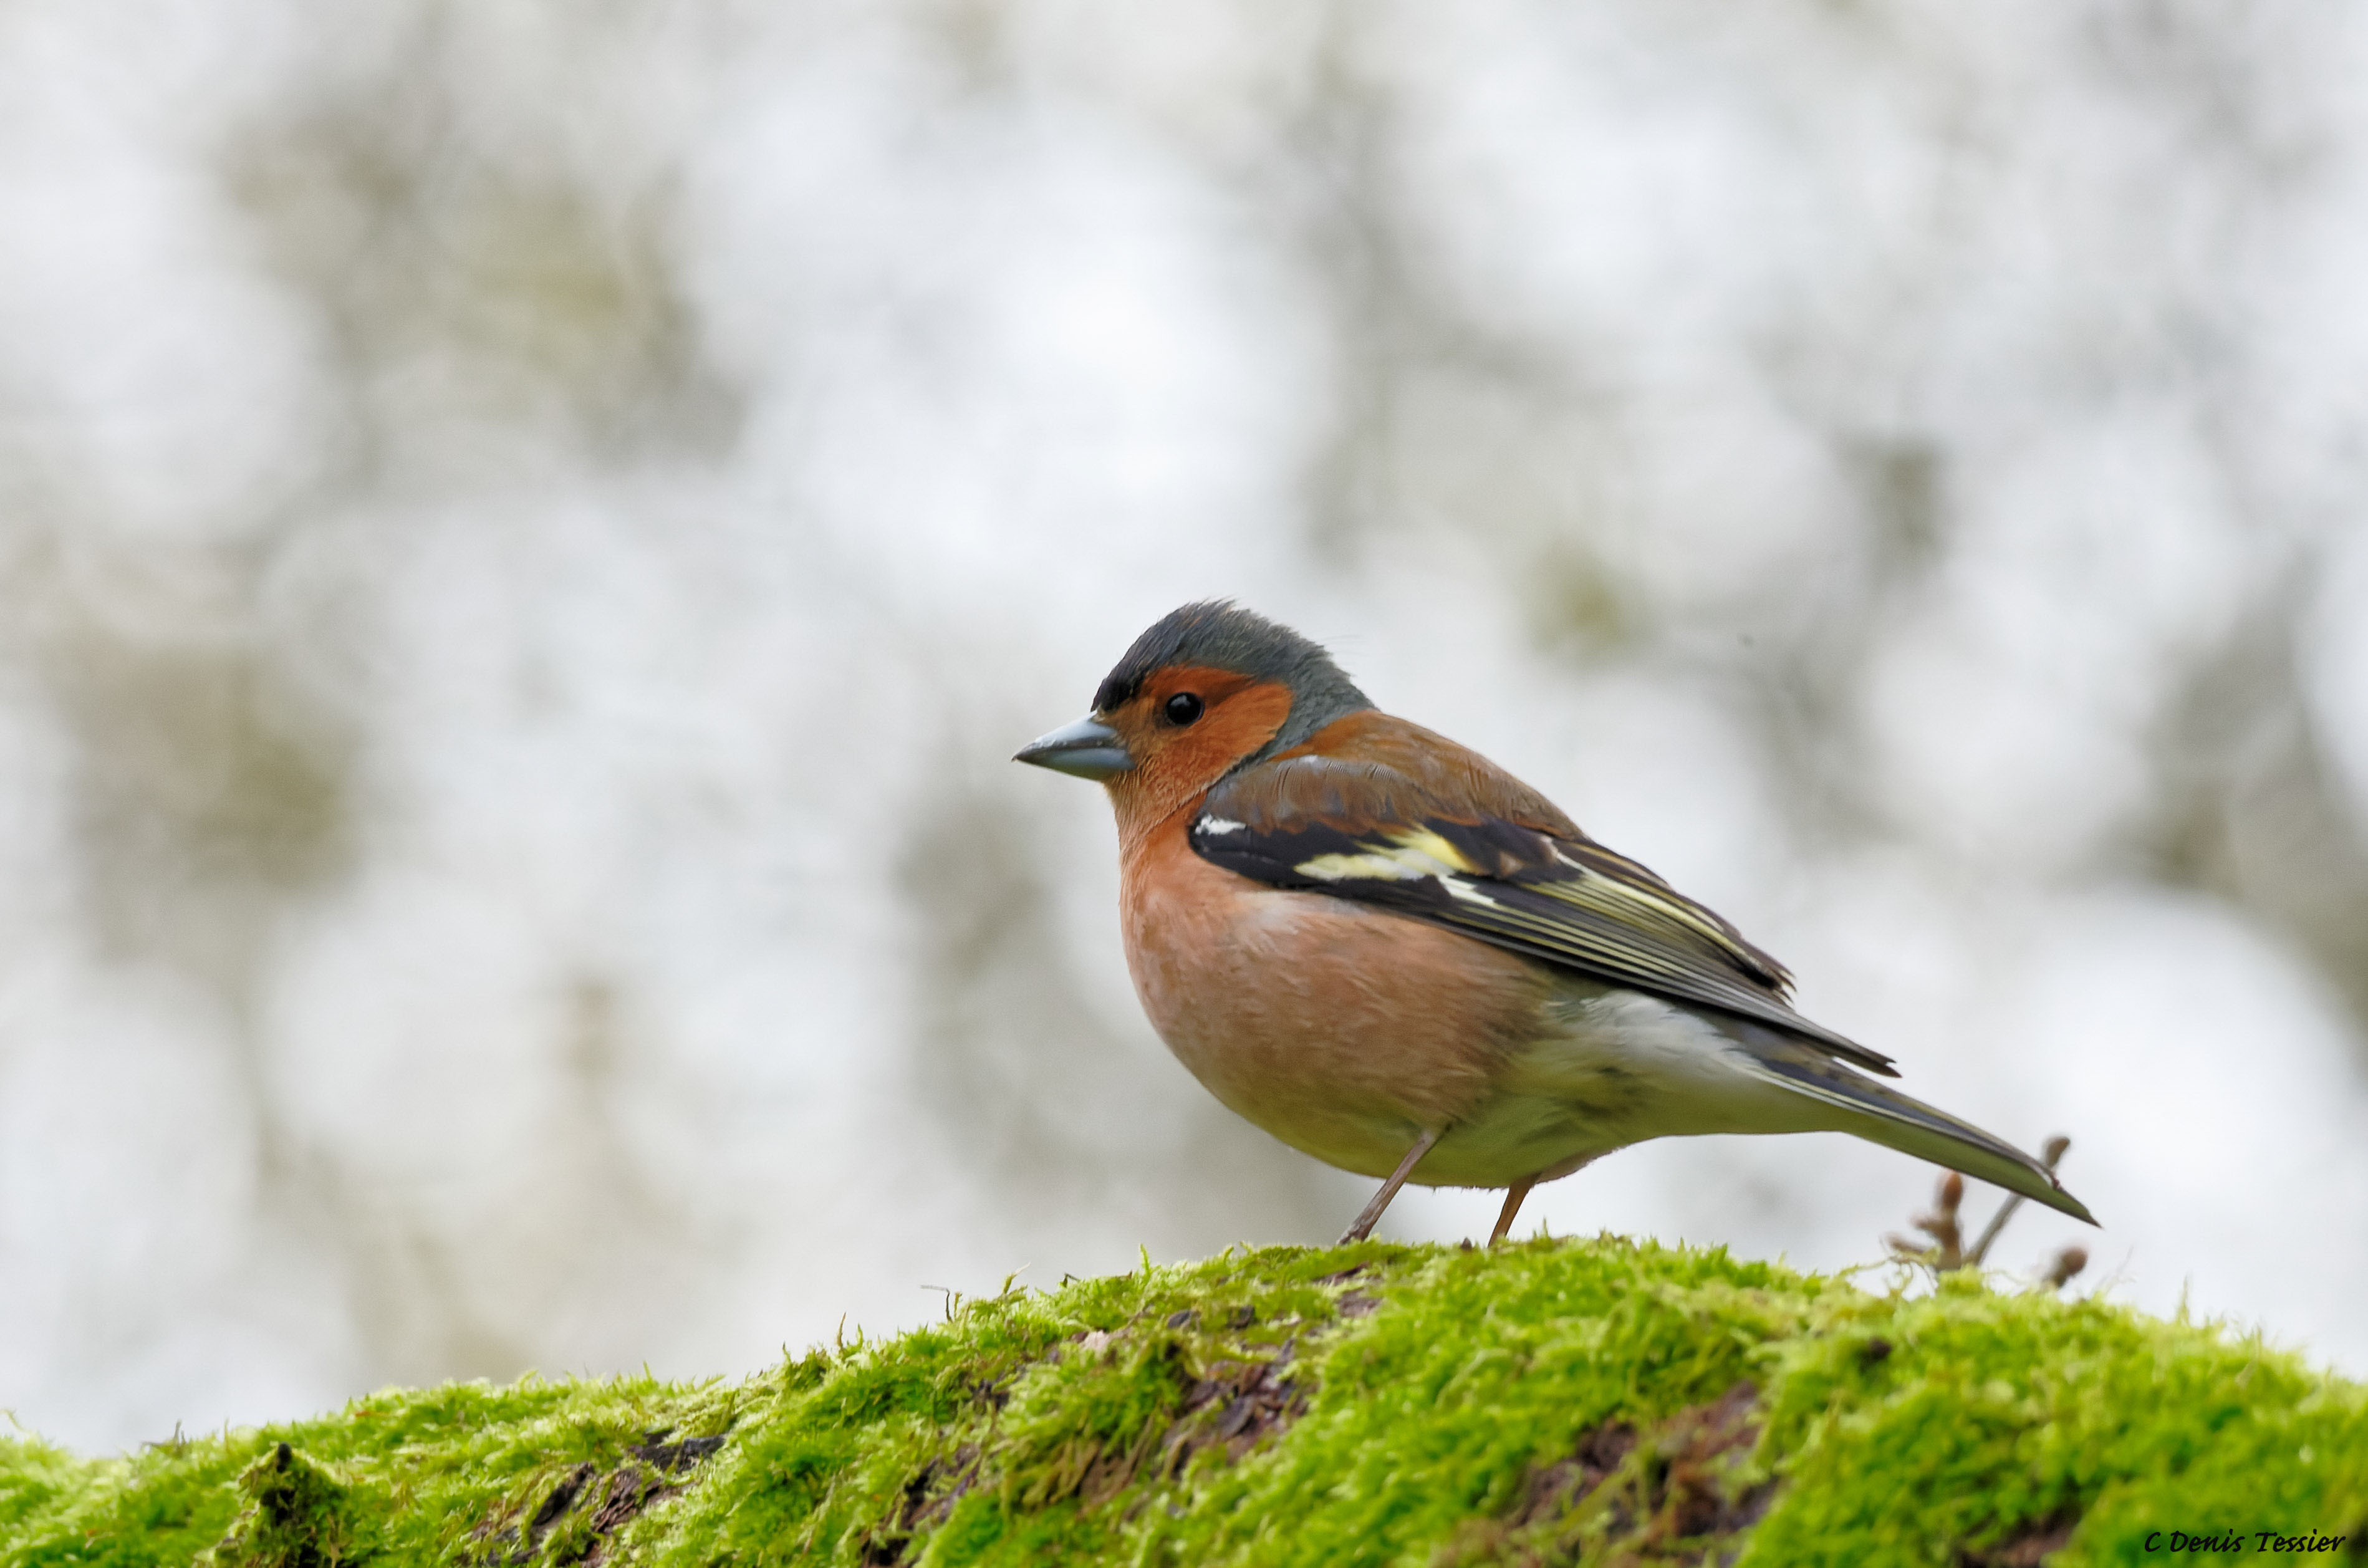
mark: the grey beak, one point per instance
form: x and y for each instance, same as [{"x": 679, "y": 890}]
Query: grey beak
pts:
[{"x": 1088, "y": 748}]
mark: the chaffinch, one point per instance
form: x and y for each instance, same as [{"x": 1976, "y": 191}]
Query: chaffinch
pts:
[{"x": 1393, "y": 955}]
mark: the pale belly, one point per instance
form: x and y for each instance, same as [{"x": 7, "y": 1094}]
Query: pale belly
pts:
[{"x": 1347, "y": 1033}]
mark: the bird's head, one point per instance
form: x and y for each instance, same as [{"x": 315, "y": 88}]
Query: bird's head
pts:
[{"x": 1209, "y": 689}]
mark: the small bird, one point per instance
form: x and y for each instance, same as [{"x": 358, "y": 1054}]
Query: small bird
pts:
[{"x": 1395, "y": 955}]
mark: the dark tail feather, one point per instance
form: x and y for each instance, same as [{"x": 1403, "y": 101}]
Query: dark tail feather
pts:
[{"x": 1885, "y": 1116}]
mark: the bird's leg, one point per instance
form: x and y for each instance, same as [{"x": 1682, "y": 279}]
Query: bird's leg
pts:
[
  {"x": 1363, "y": 1224},
  {"x": 1513, "y": 1197}
]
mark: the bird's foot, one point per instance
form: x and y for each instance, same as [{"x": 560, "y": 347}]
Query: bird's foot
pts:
[
  {"x": 1361, "y": 1227},
  {"x": 1513, "y": 1197}
]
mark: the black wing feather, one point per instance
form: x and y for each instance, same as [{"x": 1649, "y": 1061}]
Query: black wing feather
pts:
[{"x": 1565, "y": 902}]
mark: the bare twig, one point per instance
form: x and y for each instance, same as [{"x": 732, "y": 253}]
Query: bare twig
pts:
[
  {"x": 1947, "y": 1249},
  {"x": 2050, "y": 1152},
  {"x": 2068, "y": 1262}
]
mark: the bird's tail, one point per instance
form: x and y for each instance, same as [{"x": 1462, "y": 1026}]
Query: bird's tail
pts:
[{"x": 1885, "y": 1116}]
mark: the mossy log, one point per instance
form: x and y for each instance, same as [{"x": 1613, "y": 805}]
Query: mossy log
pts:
[{"x": 1551, "y": 1402}]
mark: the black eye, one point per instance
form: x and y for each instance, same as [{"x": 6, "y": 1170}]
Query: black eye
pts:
[{"x": 1182, "y": 708}]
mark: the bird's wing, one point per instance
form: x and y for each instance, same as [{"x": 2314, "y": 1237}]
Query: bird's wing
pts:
[{"x": 1382, "y": 811}]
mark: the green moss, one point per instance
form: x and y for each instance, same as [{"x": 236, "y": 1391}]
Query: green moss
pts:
[
  {"x": 298, "y": 1516},
  {"x": 1553, "y": 1401}
]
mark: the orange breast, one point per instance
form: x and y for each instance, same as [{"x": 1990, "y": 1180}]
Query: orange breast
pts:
[{"x": 1344, "y": 1032}]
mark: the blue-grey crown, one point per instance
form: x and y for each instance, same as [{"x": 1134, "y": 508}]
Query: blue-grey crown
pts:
[{"x": 1221, "y": 635}]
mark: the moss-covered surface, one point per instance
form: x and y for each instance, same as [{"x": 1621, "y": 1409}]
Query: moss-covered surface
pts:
[{"x": 1555, "y": 1402}]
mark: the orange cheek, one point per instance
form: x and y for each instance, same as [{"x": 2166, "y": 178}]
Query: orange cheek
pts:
[
  {"x": 1177, "y": 765},
  {"x": 1233, "y": 729}
]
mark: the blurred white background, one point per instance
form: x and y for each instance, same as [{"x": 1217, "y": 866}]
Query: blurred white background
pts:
[{"x": 528, "y": 532}]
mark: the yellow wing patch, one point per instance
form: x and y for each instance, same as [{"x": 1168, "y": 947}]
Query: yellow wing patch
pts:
[{"x": 1401, "y": 858}]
